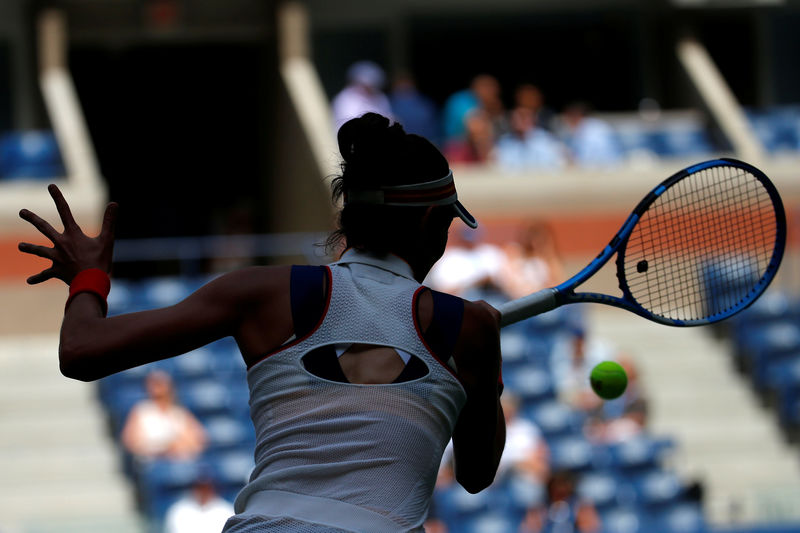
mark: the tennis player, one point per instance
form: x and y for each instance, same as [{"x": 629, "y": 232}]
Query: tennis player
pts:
[{"x": 358, "y": 374}]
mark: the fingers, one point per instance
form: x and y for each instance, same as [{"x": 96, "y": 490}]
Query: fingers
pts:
[
  {"x": 109, "y": 221},
  {"x": 63, "y": 208},
  {"x": 40, "y": 251},
  {"x": 39, "y": 223},
  {"x": 44, "y": 275}
]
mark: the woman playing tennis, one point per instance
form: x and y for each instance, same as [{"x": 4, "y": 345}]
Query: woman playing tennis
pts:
[{"x": 358, "y": 374}]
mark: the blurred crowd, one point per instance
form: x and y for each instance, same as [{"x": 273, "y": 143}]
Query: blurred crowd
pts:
[
  {"x": 158, "y": 428},
  {"x": 475, "y": 125},
  {"x": 473, "y": 269}
]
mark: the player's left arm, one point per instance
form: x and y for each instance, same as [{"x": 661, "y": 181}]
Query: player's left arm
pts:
[{"x": 93, "y": 346}]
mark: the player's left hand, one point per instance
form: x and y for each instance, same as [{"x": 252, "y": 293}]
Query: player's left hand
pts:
[{"x": 72, "y": 250}]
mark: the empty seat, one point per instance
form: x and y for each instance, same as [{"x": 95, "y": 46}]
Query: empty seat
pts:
[{"x": 30, "y": 154}]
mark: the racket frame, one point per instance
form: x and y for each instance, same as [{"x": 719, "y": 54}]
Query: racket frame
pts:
[{"x": 564, "y": 293}]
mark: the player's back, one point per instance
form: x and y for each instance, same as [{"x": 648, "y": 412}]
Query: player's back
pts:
[{"x": 357, "y": 456}]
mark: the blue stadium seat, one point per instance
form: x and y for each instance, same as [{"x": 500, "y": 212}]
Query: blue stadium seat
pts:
[
  {"x": 726, "y": 280},
  {"x": 513, "y": 345},
  {"x": 491, "y": 522},
  {"x": 659, "y": 489},
  {"x": 770, "y": 345},
  {"x": 226, "y": 433},
  {"x": 227, "y": 360},
  {"x": 784, "y": 379},
  {"x": 777, "y": 128},
  {"x": 555, "y": 419},
  {"x": 162, "y": 292},
  {"x": 638, "y": 455},
  {"x": 454, "y": 505},
  {"x": 162, "y": 482},
  {"x": 208, "y": 397},
  {"x": 231, "y": 470},
  {"x": 121, "y": 297},
  {"x": 195, "y": 365},
  {"x": 687, "y": 141},
  {"x": 530, "y": 383},
  {"x": 634, "y": 138},
  {"x": 680, "y": 518},
  {"x": 622, "y": 520},
  {"x": 773, "y": 306},
  {"x": 599, "y": 488},
  {"x": 30, "y": 154},
  {"x": 572, "y": 453},
  {"x": 109, "y": 385},
  {"x": 515, "y": 494}
]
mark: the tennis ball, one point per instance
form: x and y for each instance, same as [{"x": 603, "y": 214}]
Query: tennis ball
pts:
[{"x": 608, "y": 380}]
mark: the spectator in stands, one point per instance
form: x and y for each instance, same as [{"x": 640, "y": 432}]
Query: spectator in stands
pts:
[
  {"x": 467, "y": 266},
  {"x": 484, "y": 93},
  {"x": 526, "y": 454},
  {"x": 414, "y": 110},
  {"x": 529, "y": 96},
  {"x": 159, "y": 428},
  {"x": 363, "y": 93},
  {"x": 624, "y": 417},
  {"x": 202, "y": 510},
  {"x": 528, "y": 146},
  {"x": 592, "y": 142},
  {"x": 477, "y": 143},
  {"x": 572, "y": 360},
  {"x": 532, "y": 262},
  {"x": 563, "y": 510}
]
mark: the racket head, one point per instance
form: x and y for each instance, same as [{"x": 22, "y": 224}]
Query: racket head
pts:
[{"x": 706, "y": 244}]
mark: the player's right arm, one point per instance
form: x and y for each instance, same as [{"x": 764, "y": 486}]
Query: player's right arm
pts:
[
  {"x": 93, "y": 346},
  {"x": 480, "y": 432}
]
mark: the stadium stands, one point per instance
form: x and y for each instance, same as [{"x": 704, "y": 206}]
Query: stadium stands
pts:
[
  {"x": 778, "y": 128},
  {"x": 766, "y": 348}
]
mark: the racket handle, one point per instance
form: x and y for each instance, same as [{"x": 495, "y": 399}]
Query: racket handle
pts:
[{"x": 527, "y": 306}]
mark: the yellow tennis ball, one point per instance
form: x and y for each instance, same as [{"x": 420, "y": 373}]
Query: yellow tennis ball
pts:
[{"x": 608, "y": 380}]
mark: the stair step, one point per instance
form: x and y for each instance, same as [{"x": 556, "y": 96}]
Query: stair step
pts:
[
  {"x": 77, "y": 463},
  {"x": 74, "y": 426},
  {"x": 59, "y": 470},
  {"x": 64, "y": 499}
]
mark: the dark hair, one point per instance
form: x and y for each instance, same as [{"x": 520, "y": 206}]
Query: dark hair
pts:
[{"x": 377, "y": 153}]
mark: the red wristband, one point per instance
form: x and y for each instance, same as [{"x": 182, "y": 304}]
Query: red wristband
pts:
[{"x": 91, "y": 280}]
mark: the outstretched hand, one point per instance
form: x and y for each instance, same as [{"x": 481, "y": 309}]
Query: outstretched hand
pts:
[{"x": 72, "y": 250}]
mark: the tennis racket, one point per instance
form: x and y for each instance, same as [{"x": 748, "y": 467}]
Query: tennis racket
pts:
[{"x": 700, "y": 247}]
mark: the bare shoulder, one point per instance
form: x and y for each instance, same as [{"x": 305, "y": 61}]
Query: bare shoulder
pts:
[{"x": 480, "y": 319}]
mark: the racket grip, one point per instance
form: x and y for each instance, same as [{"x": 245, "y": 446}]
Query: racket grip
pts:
[{"x": 527, "y": 306}]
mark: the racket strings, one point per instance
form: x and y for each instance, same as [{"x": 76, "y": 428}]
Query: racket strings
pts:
[
  {"x": 701, "y": 246},
  {"x": 714, "y": 230}
]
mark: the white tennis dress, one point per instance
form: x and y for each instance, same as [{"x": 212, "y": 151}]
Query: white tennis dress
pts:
[{"x": 334, "y": 456}]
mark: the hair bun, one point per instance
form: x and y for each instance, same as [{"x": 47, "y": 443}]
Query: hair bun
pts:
[{"x": 369, "y": 138}]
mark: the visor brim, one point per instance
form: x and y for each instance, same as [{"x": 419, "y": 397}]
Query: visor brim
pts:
[{"x": 464, "y": 215}]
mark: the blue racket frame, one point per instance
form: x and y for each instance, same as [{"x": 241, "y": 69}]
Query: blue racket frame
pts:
[{"x": 564, "y": 293}]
